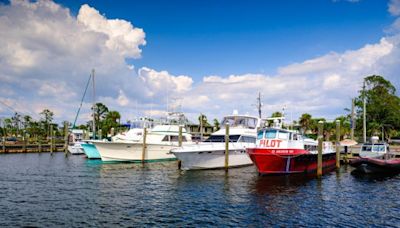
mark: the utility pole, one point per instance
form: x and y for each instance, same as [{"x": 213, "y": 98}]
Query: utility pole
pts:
[
  {"x": 352, "y": 120},
  {"x": 94, "y": 107},
  {"x": 259, "y": 104},
  {"x": 364, "y": 115}
]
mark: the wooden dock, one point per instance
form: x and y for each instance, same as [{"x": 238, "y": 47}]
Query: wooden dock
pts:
[{"x": 32, "y": 148}]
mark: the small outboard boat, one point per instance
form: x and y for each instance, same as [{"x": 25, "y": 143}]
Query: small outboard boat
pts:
[{"x": 376, "y": 165}]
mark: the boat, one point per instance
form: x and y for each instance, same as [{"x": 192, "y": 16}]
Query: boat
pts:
[
  {"x": 373, "y": 150},
  {"x": 134, "y": 134},
  {"x": 159, "y": 141},
  {"x": 374, "y": 165},
  {"x": 283, "y": 151},
  {"x": 210, "y": 154},
  {"x": 75, "y": 142}
]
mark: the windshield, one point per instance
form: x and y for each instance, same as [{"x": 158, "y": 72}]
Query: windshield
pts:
[
  {"x": 244, "y": 121},
  {"x": 221, "y": 138},
  {"x": 270, "y": 134}
]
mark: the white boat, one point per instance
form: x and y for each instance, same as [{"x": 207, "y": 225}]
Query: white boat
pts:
[
  {"x": 75, "y": 142},
  {"x": 159, "y": 141},
  {"x": 373, "y": 149},
  {"x": 210, "y": 154}
]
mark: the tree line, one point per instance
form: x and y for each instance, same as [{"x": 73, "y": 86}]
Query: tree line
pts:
[{"x": 382, "y": 115}]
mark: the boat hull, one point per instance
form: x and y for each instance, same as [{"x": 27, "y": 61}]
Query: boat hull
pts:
[
  {"x": 376, "y": 165},
  {"x": 132, "y": 152},
  {"x": 212, "y": 159},
  {"x": 91, "y": 151},
  {"x": 75, "y": 149},
  {"x": 299, "y": 161}
]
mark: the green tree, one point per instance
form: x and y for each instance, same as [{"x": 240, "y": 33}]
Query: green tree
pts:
[
  {"x": 216, "y": 124},
  {"x": 46, "y": 119},
  {"x": 382, "y": 106},
  {"x": 111, "y": 120},
  {"x": 203, "y": 120},
  {"x": 305, "y": 122},
  {"x": 276, "y": 114},
  {"x": 100, "y": 112}
]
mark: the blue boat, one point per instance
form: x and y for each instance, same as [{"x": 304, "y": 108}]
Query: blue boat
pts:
[{"x": 91, "y": 151}]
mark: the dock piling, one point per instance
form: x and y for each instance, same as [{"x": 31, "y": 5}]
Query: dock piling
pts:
[
  {"x": 320, "y": 139},
  {"x": 66, "y": 138},
  {"x": 337, "y": 144},
  {"x": 99, "y": 134},
  {"x": 51, "y": 139},
  {"x": 144, "y": 144},
  {"x": 180, "y": 136},
  {"x": 4, "y": 144},
  {"x": 226, "y": 147},
  {"x": 25, "y": 141}
]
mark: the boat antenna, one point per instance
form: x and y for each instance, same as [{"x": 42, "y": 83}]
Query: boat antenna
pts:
[
  {"x": 83, "y": 97},
  {"x": 259, "y": 104},
  {"x": 364, "y": 115},
  {"x": 94, "y": 106}
]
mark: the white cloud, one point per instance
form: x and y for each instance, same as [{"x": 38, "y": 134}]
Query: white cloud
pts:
[
  {"x": 161, "y": 82},
  {"x": 122, "y": 36},
  {"x": 394, "y": 7},
  {"x": 122, "y": 99}
]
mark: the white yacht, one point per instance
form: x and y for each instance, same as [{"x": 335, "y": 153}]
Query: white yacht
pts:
[
  {"x": 75, "y": 142},
  {"x": 159, "y": 141},
  {"x": 210, "y": 154}
]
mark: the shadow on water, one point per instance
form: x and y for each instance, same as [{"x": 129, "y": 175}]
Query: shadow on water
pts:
[
  {"x": 373, "y": 177},
  {"x": 277, "y": 185}
]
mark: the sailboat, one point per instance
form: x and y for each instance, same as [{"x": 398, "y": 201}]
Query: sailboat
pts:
[{"x": 76, "y": 143}]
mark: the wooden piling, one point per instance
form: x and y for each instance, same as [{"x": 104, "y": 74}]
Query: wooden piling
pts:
[
  {"x": 320, "y": 141},
  {"x": 112, "y": 131},
  {"x": 337, "y": 144},
  {"x": 180, "y": 136},
  {"x": 66, "y": 138},
  {"x": 51, "y": 139},
  {"x": 144, "y": 144},
  {"x": 40, "y": 145},
  {"x": 25, "y": 141},
  {"x": 226, "y": 146},
  {"x": 4, "y": 144}
]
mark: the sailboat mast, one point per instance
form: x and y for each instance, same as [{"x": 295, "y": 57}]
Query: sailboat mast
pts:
[
  {"x": 364, "y": 115},
  {"x": 94, "y": 106}
]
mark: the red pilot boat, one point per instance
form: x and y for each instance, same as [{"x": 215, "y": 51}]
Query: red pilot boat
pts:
[{"x": 282, "y": 151}]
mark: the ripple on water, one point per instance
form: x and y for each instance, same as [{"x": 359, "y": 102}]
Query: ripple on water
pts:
[{"x": 44, "y": 190}]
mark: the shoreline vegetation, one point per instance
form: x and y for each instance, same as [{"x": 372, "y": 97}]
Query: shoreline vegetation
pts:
[{"x": 382, "y": 105}]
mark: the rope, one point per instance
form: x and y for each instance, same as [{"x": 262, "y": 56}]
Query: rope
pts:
[{"x": 83, "y": 97}]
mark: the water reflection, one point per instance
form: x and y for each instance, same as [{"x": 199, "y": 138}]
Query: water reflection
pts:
[{"x": 276, "y": 185}]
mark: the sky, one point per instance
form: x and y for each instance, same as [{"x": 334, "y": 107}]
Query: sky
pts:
[{"x": 208, "y": 57}]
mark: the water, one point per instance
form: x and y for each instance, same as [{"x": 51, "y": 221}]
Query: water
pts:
[{"x": 43, "y": 190}]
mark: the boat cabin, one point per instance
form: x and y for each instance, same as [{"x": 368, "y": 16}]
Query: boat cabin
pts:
[
  {"x": 283, "y": 138},
  {"x": 373, "y": 149},
  {"x": 239, "y": 121}
]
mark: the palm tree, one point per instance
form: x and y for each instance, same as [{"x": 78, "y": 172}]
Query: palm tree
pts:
[{"x": 305, "y": 122}]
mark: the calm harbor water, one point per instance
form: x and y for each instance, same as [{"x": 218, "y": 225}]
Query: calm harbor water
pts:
[{"x": 43, "y": 190}]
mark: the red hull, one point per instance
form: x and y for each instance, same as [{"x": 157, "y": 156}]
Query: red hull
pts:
[{"x": 289, "y": 161}]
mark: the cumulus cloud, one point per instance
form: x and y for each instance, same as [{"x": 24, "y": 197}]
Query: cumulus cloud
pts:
[
  {"x": 122, "y": 37},
  {"x": 47, "y": 54},
  {"x": 394, "y": 7},
  {"x": 160, "y": 82}
]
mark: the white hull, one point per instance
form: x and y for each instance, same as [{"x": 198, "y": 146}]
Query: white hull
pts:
[
  {"x": 76, "y": 149},
  {"x": 114, "y": 151},
  {"x": 212, "y": 156}
]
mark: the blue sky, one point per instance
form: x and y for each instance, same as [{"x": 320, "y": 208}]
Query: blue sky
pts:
[
  {"x": 201, "y": 38},
  {"x": 208, "y": 57}
]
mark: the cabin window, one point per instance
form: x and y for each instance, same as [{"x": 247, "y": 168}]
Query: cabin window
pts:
[
  {"x": 221, "y": 138},
  {"x": 270, "y": 134},
  {"x": 283, "y": 135},
  {"x": 247, "y": 139},
  {"x": 366, "y": 148},
  {"x": 175, "y": 138},
  {"x": 260, "y": 135}
]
